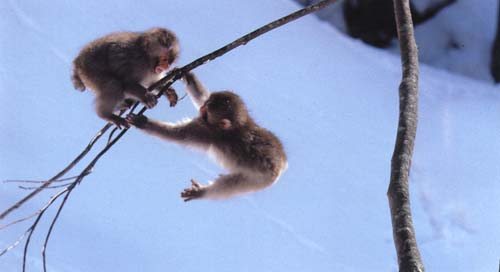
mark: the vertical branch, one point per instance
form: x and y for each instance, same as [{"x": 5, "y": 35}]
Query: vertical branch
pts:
[
  {"x": 495, "y": 52},
  {"x": 399, "y": 195}
]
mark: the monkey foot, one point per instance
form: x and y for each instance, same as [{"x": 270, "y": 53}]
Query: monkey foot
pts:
[
  {"x": 196, "y": 191},
  {"x": 149, "y": 100},
  {"x": 120, "y": 122},
  {"x": 136, "y": 120}
]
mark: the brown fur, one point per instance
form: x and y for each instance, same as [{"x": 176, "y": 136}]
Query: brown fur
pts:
[
  {"x": 254, "y": 156},
  {"x": 117, "y": 66}
]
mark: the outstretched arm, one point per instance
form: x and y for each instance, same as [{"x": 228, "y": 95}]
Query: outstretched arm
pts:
[
  {"x": 196, "y": 90},
  {"x": 190, "y": 133}
]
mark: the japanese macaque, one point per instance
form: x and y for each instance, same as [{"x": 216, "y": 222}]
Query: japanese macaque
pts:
[
  {"x": 253, "y": 156},
  {"x": 119, "y": 66}
]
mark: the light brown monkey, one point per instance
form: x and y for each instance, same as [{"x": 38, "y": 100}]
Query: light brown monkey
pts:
[
  {"x": 253, "y": 155},
  {"x": 118, "y": 66}
]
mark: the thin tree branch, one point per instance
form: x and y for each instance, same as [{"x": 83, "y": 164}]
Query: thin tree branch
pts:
[
  {"x": 409, "y": 258},
  {"x": 246, "y": 38},
  {"x": 58, "y": 175},
  {"x": 48, "y": 187},
  {"x": 54, "y": 220},
  {"x": 37, "y": 181},
  {"x": 35, "y": 223}
]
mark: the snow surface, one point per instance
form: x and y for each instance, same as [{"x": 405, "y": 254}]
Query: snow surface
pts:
[
  {"x": 332, "y": 100},
  {"x": 458, "y": 39}
]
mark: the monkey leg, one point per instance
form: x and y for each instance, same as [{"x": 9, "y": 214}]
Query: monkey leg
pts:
[
  {"x": 106, "y": 104},
  {"x": 229, "y": 185},
  {"x": 140, "y": 93}
]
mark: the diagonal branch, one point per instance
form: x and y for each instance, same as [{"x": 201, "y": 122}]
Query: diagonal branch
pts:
[
  {"x": 58, "y": 175},
  {"x": 248, "y": 37},
  {"x": 398, "y": 193}
]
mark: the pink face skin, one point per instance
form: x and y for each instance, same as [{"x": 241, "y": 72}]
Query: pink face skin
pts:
[{"x": 163, "y": 63}]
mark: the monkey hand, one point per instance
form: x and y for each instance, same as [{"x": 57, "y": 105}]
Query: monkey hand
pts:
[
  {"x": 196, "y": 191},
  {"x": 135, "y": 120},
  {"x": 149, "y": 100},
  {"x": 171, "y": 96}
]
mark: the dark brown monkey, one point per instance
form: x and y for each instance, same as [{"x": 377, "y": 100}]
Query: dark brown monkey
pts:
[
  {"x": 118, "y": 66},
  {"x": 253, "y": 156}
]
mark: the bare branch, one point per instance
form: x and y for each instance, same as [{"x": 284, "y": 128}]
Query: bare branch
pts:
[
  {"x": 54, "y": 220},
  {"x": 58, "y": 175},
  {"x": 37, "y": 181},
  {"x": 35, "y": 223},
  {"x": 244, "y": 40},
  {"x": 409, "y": 258},
  {"x": 48, "y": 187},
  {"x": 16, "y": 243}
]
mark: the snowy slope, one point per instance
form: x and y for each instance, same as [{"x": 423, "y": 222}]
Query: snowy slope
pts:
[
  {"x": 333, "y": 102},
  {"x": 459, "y": 39}
]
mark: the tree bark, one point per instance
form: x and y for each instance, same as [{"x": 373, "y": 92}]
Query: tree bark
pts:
[
  {"x": 495, "y": 52},
  {"x": 409, "y": 258}
]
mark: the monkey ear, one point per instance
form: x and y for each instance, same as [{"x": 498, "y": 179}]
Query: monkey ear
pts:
[{"x": 225, "y": 124}]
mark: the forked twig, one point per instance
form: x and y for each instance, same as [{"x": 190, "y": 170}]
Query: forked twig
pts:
[{"x": 58, "y": 175}]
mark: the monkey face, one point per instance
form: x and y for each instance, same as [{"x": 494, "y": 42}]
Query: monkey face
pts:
[
  {"x": 162, "y": 46},
  {"x": 224, "y": 110},
  {"x": 164, "y": 60}
]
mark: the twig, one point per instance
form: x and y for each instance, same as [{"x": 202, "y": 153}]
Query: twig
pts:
[
  {"x": 45, "y": 206},
  {"x": 111, "y": 134},
  {"x": 13, "y": 245},
  {"x": 48, "y": 187},
  {"x": 69, "y": 189},
  {"x": 37, "y": 181},
  {"x": 35, "y": 224},
  {"x": 54, "y": 220},
  {"x": 58, "y": 175},
  {"x": 409, "y": 258}
]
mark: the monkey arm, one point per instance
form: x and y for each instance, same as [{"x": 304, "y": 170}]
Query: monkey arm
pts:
[
  {"x": 136, "y": 91},
  {"x": 198, "y": 93},
  {"x": 190, "y": 133}
]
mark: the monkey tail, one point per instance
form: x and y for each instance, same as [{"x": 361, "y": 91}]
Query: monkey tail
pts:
[{"x": 77, "y": 81}]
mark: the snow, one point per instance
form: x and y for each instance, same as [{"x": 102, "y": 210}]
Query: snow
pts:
[
  {"x": 332, "y": 100},
  {"x": 458, "y": 39}
]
